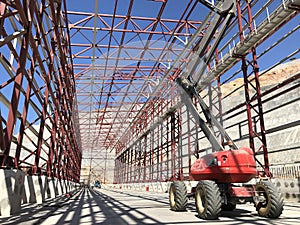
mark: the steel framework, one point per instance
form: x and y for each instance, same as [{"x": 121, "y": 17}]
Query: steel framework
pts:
[
  {"x": 38, "y": 104},
  {"x": 174, "y": 162},
  {"x": 112, "y": 101}
]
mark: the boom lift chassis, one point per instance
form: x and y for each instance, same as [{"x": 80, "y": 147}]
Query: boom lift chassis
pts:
[{"x": 223, "y": 175}]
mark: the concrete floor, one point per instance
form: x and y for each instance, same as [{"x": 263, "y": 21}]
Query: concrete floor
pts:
[{"x": 118, "y": 207}]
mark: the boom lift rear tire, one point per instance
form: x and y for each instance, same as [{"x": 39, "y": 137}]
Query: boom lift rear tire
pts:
[
  {"x": 208, "y": 200},
  {"x": 272, "y": 204},
  {"x": 178, "y": 196}
]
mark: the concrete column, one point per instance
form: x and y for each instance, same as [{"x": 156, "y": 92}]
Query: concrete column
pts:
[
  {"x": 59, "y": 187},
  {"x": 69, "y": 186},
  {"x": 12, "y": 191},
  {"x": 35, "y": 189},
  {"x": 74, "y": 186},
  {"x": 165, "y": 187},
  {"x": 52, "y": 192},
  {"x": 64, "y": 186}
]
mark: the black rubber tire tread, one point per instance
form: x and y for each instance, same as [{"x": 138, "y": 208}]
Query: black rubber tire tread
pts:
[
  {"x": 208, "y": 200},
  {"x": 178, "y": 196},
  {"x": 273, "y": 206}
]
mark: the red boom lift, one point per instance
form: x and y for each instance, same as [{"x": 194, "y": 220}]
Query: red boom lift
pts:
[{"x": 223, "y": 175}]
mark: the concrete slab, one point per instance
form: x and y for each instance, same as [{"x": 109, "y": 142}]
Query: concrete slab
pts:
[{"x": 115, "y": 206}]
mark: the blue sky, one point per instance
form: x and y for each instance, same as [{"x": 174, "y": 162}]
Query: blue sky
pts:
[{"x": 174, "y": 9}]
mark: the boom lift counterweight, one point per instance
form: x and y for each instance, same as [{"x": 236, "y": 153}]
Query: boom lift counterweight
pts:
[{"x": 223, "y": 175}]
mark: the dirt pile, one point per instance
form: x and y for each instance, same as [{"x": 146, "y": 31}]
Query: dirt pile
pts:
[{"x": 270, "y": 78}]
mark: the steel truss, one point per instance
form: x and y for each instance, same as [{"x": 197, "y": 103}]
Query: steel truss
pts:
[
  {"x": 39, "y": 124},
  {"x": 134, "y": 160},
  {"x": 125, "y": 60},
  {"x": 120, "y": 76}
]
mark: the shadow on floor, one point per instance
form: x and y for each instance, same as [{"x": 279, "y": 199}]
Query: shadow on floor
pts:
[{"x": 89, "y": 206}]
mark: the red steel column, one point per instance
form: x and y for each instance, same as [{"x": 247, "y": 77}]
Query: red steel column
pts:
[
  {"x": 145, "y": 159},
  {"x": 173, "y": 145},
  {"x": 24, "y": 116},
  {"x": 2, "y": 12},
  {"x": 15, "y": 99},
  {"x": 249, "y": 104}
]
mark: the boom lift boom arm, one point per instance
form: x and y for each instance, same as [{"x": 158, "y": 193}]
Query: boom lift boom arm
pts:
[{"x": 222, "y": 14}]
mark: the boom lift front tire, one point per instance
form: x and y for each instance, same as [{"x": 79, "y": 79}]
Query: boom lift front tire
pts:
[
  {"x": 178, "y": 196},
  {"x": 208, "y": 200},
  {"x": 271, "y": 201}
]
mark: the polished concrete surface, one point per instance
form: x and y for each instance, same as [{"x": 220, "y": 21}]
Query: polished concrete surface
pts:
[{"x": 116, "y": 207}]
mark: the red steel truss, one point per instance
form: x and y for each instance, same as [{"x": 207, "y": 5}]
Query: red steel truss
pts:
[
  {"x": 163, "y": 149},
  {"x": 113, "y": 99},
  {"x": 38, "y": 104},
  {"x": 118, "y": 62}
]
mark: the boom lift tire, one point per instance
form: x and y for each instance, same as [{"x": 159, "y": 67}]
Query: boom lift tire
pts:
[
  {"x": 178, "y": 196},
  {"x": 208, "y": 200},
  {"x": 272, "y": 204}
]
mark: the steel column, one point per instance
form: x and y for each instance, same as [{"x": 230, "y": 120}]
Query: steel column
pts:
[{"x": 261, "y": 136}]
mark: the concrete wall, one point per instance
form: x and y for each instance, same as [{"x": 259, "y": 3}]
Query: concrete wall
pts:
[
  {"x": 281, "y": 117},
  {"x": 18, "y": 188},
  {"x": 282, "y": 124},
  {"x": 12, "y": 191}
]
